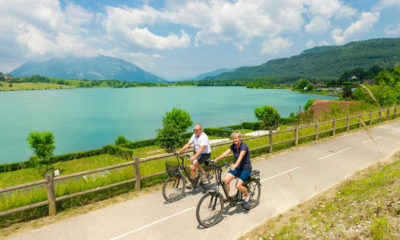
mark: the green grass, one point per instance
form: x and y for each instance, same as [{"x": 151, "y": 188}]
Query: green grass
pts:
[
  {"x": 370, "y": 203},
  {"x": 31, "y": 86}
]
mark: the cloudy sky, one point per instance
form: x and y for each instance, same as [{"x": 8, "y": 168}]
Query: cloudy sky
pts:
[{"x": 178, "y": 39}]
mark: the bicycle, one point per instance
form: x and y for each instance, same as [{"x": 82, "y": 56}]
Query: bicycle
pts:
[
  {"x": 210, "y": 206},
  {"x": 174, "y": 186}
]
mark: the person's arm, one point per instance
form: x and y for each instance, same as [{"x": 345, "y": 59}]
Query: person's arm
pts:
[
  {"x": 236, "y": 164},
  {"x": 226, "y": 153},
  {"x": 198, "y": 153},
  {"x": 187, "y": 145}
]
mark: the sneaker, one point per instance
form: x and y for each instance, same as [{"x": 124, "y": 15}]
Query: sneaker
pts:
[
  {"x": 189, "y": 185},
  {"x": 247, "y": 202}
]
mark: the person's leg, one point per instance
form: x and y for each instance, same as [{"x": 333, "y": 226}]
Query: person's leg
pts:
[
  {"x": 197, "y": 165},
  {"x": 193, "y": 170},
  {"x": 242, "y": 189},
  {"x": 243, "y": 175},
  {"x": 227, "y": 180}
]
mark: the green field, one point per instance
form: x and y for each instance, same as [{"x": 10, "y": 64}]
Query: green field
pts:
[{"x": 31, "y": 86}]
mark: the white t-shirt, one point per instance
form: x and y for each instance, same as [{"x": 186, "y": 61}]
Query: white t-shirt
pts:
[{"x": 201, "y": 141}]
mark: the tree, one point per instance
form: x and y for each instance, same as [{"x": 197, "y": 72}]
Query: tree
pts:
[
  {"x": 268, "y": 116},
  {"x": 43, "y": 146},
  {"x": 175, "y": 123},
  {"x": 302, "y": 83},
  {"x": 178, "y": 117},
  {"x": 120, "y": 140}
]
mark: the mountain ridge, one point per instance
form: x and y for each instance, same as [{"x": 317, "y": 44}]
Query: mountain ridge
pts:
[
  {"x": 92, "y": 68},
  {"x": 325, "y": 61}
]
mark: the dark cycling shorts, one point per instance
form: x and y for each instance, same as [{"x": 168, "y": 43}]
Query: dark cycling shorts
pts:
[
  {"x": 203, "y": 157},
  {"x": 243, "y": 174}
]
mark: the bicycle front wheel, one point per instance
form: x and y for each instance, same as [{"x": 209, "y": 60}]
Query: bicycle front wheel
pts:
[
  {"x": 209, "y": 209},
  {"x": 174, "y": 188}
]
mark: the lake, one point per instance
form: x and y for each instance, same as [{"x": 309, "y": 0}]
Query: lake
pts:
[{"x": 83, "y": 119}]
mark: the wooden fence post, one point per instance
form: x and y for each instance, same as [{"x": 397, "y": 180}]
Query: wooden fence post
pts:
[
  {"x": 395, "y": 110},
  {"x": 137, "y": 173},
  {"x": 50, "y": 194},
  {"x": 296, "y": 135},
  {"x": 359, "y": 120},
  {"x": 387, "y": 114},
  {"x": 348, "y": 123},
  {"x": 380, "y": 114},
  {"x": 316, "y": 131},
  {"x": 270, "y": 140},
  {"x": 333, "y": 126},
  {"x": 370, "y": 117}
]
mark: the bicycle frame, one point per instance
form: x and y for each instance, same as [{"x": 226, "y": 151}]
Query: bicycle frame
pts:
[
  {"x": 232, "y": 201},
  {"x": 182, "y": 167}
]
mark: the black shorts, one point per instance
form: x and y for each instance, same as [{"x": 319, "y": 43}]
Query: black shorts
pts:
[{"x": 203, "y": 157}]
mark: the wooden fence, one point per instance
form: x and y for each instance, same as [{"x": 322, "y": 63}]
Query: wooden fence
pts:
[{"x": 50, "y": 179}]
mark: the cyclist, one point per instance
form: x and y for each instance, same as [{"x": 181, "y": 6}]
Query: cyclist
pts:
[
  {"x": 202, "y": 151},
  {"x": 241, "y": 168}
]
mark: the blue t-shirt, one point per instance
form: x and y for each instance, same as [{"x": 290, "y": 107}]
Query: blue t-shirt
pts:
[{"x": 245, "y": 163}]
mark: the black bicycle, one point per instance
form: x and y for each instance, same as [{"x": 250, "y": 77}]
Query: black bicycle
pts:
[
  {"x": 174, "y": 186},
  {"x": 209, "y": 209}
]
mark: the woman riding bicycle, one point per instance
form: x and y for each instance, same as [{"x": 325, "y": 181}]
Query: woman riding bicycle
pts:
[{"x": 241, "y": 168}]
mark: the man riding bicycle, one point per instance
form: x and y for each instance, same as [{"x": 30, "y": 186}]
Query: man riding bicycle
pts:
[{"x": 202, "y": 151}]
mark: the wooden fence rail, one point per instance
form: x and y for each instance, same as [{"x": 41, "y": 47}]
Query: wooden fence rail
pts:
[{"x": 50, "y": 180}]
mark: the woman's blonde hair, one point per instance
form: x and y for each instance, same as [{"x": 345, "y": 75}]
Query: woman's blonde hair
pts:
[{"x": 236, "y": 134}]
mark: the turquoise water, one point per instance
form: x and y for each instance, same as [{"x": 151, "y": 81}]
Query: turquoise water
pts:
[{"x": 83, "y": 119}]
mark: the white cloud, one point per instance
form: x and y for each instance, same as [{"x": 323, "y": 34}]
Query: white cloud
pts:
[
  {"x": 393, "y": 32},
  {"x": 322, "y": 11},
  {"x": 275, "y": 45},
  {"x": 318, "y": 24},
  {"x": 387, "y": 3},
  {"x": 362, "y": 25}
]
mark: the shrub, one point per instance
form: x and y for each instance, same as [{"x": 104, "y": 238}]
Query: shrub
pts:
[
  {"x": 218, "y": 132},
  {"x": 268, "y": 115},
  {"x": 121, "y": 140},
  {"x": 43, "y": 146},
  {"x": 308, "y": 104},
  {"x": 170, "y": 137},
  {"x": 179, "y": 117},
  {"x": 175, "y": 124}
]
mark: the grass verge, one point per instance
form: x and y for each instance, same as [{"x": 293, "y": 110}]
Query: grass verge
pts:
[{"x": 366, "y": 206}]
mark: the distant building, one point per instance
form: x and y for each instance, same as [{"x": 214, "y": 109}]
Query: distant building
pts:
[{"x": 8, "y": 77}]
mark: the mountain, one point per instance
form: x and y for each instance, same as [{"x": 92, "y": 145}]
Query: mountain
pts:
[
  {"x": 326, "y": 61},
  {"x": 93, "y": 68},
  {"x": 213, "y": 73}
]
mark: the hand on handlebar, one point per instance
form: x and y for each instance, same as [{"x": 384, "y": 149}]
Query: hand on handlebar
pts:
[{"x": 232, "y": 167}]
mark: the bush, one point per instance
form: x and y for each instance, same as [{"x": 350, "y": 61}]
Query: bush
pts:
[
  {"x": 218, "y": 132},
  {"x": 179, "y": 117},
  {"x": 308, "y": 104},
  {"x": 170, "y": 137},
  {"x": 268, "y": 115},
  {"x": 175, "y": 124},
  {"x": 77, "y": 155},
  {"x": 118, "y": 151},
  {"x": 121, "y": 140},
  {"x": 43, "y": 146},
  {"x": 289, "y": 120},
  {"x": 139, "y": 144}
]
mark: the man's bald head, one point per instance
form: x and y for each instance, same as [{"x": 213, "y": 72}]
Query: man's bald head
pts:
[{"x": 198, "y": 130}]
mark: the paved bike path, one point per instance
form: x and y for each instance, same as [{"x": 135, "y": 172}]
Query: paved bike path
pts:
[{"x": 287, "y": 179}]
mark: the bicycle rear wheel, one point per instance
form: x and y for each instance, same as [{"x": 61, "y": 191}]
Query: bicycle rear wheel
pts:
[
  {"x": 174, "y": 188},
  {"x": 254, "y": 188},
  {"x": 209, "y": 209}
]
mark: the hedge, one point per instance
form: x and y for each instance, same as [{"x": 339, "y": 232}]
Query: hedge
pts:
[
  {"x": 119, "y": 151},
  {"x": 289, "y": 120},
  {"x": 14, "y": 166},
  {"x": 76, "y": 155},
  {"x": 218, "y": 132},
  {"x": 138, "y": 144}
]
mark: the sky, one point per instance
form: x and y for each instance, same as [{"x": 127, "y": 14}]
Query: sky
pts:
[{"x": 179, "y": 39}]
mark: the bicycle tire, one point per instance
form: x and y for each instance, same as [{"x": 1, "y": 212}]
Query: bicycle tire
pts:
[
  {"x": 213, "y": 203},
  {"x": 176, "y": 185},
  {"x": 254, "y": 187}
]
